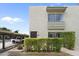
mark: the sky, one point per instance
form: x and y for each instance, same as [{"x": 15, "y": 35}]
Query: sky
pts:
[{"x": 15, "y": 16}]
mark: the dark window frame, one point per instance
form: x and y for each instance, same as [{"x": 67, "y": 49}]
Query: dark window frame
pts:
[
  {"x": 54, "y": 35},
  {"x": 33, "y": 34}
]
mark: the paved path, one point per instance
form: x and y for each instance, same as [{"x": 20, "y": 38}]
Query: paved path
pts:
[
  {"x": 7, "y": 43},
  {"x": 71, "y": 52},
  {"x": 8, "y": 52},
  {"x": 4, "y": 54}
]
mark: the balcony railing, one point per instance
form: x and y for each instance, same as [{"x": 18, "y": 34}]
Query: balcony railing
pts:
[{"x": 56, "y": 25}]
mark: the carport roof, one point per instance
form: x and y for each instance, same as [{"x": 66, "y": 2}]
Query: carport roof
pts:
[{"x": 4, "y": 32}]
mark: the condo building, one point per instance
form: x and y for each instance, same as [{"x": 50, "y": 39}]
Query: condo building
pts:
[{"x": 48, "y": 22}]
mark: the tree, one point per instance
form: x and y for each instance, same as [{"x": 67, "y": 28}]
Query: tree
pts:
[
  {"x": 4, "y": 28},
  {"x": 16, "y": 31}
]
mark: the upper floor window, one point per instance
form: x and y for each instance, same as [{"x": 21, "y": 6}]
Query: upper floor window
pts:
[{"x": 55, "y": 17}]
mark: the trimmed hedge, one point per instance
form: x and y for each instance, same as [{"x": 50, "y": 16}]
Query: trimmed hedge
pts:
[
  {"x": 43, "y": 44},
  {"x": 69, "y": 40}
]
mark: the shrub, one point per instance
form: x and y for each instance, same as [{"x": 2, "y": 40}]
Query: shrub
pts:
[
  {"x": 43, "y": 44},
  {"x": 69, "y": 39},
  {"x": 20, "y": 47}
]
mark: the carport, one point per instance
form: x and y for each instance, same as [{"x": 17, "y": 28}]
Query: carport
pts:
[{"x": 11, "y": 35}]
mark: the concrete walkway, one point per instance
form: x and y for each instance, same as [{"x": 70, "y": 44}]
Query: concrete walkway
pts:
[
  {"x": 4, "y": 54},
  {"x": 71, "y": 52}
]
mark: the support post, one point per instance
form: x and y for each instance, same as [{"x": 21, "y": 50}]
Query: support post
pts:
[{"x": 3, "y": 41}]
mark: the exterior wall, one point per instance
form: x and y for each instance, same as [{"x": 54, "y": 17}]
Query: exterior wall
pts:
[
  {"x": 56, "y": 30},
  {"x": 39, "y": 20},
  {"x": 71, "y": 18}
]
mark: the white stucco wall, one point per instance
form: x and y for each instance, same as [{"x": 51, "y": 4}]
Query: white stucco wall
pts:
[
  {"x": 71, "y": 18},
  {"x": 38, "y": 20}
]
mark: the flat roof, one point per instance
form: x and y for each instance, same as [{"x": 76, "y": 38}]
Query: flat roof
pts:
[
  {"x": 3, "y": 32},
  {"x": 56, "y": 9}
]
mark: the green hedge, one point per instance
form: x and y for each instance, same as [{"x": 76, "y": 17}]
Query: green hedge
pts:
[
  {"x": 43, "y": 44},
  {"x": 68, "y": 39}
]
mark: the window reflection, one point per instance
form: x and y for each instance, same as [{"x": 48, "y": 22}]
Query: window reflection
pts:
[{"x": 55, "y": 17}]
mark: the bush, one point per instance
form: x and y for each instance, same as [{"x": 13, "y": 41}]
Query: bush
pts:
[
  {"x": 43, "y": 44},
  {"x": 20, "y": 47},
  {"x": 69, "y": 39}
]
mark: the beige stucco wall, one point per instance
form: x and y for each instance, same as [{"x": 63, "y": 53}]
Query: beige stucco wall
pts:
[
  {"x": 71, "y": 18},
  {"x": 38, "y": 20}
]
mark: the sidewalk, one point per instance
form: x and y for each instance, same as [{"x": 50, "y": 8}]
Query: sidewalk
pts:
[
  {"x": 71, "y": 52},
  {"x": 4, "y": 54}
]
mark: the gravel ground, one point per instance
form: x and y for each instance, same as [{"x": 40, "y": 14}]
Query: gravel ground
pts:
[
  {"x": 21, "y": 53},
  {"x": 16, "y": 52}
]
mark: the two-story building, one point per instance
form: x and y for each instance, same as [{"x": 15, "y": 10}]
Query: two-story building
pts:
[{"x": 49, "y": 21}]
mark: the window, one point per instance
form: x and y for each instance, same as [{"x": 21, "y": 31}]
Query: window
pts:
[
  {"x": 53, "y": 34},
  {"x": 33, "y": 34},
  {"x": 51, "y": 17},
  {"x": 54, "y": 17}
]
